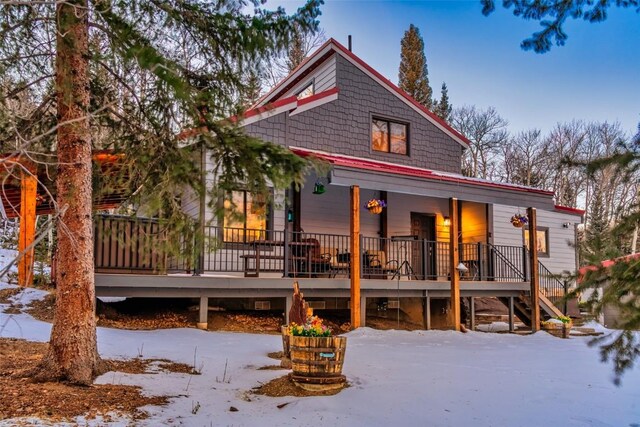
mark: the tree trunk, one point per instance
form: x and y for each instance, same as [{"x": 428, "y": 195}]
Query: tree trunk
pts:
[{"x": 73, "y": 351}]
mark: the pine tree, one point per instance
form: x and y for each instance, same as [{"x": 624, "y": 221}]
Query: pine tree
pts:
[
  {"x": 296, "y": 52},
  {"x": 170, "y": 66},
  {"x": 413, "y": 74},
  {"x": 442, "y": 108},
  {"x": 598, "y": 241}
]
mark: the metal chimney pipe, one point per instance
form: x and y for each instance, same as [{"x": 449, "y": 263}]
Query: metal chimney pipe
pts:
[{"x": 349, "y": 43}]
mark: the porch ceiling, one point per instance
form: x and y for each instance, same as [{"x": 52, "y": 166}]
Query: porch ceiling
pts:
[{"x": 433, "y": 187}]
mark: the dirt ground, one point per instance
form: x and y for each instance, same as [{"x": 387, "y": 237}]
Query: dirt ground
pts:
[{"x": 57, "y": 402}]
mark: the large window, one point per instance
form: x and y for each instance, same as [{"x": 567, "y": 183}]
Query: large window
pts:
[
  {"x": 542, "y": 235},
  {"x": 245, "y": 217},
  {"x": 388, "y": 136}
]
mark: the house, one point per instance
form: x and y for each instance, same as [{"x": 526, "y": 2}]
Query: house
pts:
[{"x": 440, "y": 236}]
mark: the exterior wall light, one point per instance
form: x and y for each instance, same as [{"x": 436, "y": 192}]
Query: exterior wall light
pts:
[{"x": 447, "y": 221}]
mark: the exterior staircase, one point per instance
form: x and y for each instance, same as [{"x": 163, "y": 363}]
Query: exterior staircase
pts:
[{"x": 552, "y": 291}]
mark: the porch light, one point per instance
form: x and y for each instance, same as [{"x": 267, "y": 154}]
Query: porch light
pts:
[
  {"x": 462, "y": 268},
  {"x": 318, "y": 188},
  {"x": 447, "y": 221}
]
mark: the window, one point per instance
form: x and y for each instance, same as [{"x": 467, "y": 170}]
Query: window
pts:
[
  {"x": 542, "y": 235},
  {"x": 306, "y": 92},
  {"x": 245, "y": 217},
  {"x": 388, "y": 136}
]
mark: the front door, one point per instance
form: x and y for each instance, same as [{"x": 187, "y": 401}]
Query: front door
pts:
[{"x": 423, "y": 256}]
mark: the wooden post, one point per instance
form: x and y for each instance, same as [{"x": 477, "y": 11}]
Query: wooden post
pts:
[
  {"x": 355, "y": 256},
  {"x": 28, "y": 193},
  {"x": 453, "y": 263},
  {"x": 511, "y": 310},
  {"x": 472, "y": 307},
  {"x": 427, "y": 311},
  {"x": 533, "y": 266}
]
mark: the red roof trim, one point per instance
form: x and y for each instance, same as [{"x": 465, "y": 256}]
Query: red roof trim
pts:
[
  {"x": 373, "y": 165},
  {"x": 295, "y": 70},
  {"x": 401, "y": 92},
  {"x": 570, "y": 210},
  {"x": 276, "y": 90},
  {"x": 270, "y": 106},
  {"x": 317, "y": 96}
]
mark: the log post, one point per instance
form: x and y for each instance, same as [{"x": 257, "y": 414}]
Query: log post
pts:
[
  {"x": 28, "y": 200},
  {"x": 453, "y": 263},
  {"x": 355, "y": 256},
  {"x": 533, "y": 265}
]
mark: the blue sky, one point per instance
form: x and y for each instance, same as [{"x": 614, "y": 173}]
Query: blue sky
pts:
[{"x": 595, "y": 76}]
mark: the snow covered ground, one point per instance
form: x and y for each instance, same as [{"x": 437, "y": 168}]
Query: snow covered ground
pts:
[{"x": 422, "y": 378}]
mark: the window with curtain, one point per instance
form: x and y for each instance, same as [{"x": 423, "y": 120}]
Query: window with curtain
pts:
[{"x": 388, "y": 136}]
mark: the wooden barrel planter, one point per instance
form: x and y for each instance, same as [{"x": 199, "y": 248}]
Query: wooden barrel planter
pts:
[
  {"x": 317, "y": 362},
  {"x": 560, "y": 330},
  {"x": 285, "y": 362}
]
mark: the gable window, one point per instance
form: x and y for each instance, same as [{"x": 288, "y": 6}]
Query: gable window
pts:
[
  {"x": 542, "y": 235},
  {"x": 388, "y": 136},
  {"x": 306, "y": 92},
  {"x": 245, "y": 217}
]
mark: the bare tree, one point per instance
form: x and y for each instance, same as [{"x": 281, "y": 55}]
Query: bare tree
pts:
[{"x": 487, "y": 131}]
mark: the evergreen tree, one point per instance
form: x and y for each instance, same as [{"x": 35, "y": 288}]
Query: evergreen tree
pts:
[
  {"x": 553, "y": 14},
  {"x": 598, "y": 244},
  {"x": 442, "y": 108},
  {"x": 252, "y": 89},
  {"x": 615, "y": 285},
  {"x": 296, "y": 51},
  {"x": 166, "y": 67},
  {"x": 413, "y": 74}
]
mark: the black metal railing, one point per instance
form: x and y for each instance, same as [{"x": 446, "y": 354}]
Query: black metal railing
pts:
[
  {"x": 508, "y": 263},
  {"x": 551, "y": 287},
  {"x": 124, "y": 243}
]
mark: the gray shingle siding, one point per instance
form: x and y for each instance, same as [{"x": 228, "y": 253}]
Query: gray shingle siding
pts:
[{"x": 344, "y": 126}]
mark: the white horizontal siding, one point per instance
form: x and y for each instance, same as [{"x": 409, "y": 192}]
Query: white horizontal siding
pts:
[
  {"x": 324, "y": 78},
  {"x": 329, "y": 212},
  {"x": 562, "y": 251},
  {"x": 401, "y": 206}
]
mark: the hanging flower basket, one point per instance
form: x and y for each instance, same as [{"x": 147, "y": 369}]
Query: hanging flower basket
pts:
[
  {"x": 519, "y": 220},
  {"x": 375, "y": 206}
]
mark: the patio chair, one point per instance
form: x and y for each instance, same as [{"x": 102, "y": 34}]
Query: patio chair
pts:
[
  {"x": 377, "y": 261},
  {"x": 338, "y": 263}
]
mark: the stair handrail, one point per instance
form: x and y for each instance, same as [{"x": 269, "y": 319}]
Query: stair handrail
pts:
[
  {"x": 502, "y": 257},
  {"x": 550, "y": 283}
]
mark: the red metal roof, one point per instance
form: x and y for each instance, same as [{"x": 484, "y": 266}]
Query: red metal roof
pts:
[
  {"x": 570, "y": 210},
  {"x": 384, "y": 167}
]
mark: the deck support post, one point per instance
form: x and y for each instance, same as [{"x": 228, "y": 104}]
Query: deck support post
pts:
[
  {"x": 427, "y": 311},
  {"x": 28, "y": 201},
  {"x": 363, "y": 311},
  {"x": 472, "y": 307},
  {"x": 453, "y": 263},
  {"x": 533, "y": 267},
  {"x": 204, "y": 313},
  {"x": 511, "y": 327},
  {"x": 355, "y": 256}
]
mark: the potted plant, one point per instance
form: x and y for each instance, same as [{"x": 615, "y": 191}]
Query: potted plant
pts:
[
  {"x": 519, "y": 220},
  {"x": 316, "y": 355},
  {"x": 375, "y": 206}
]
